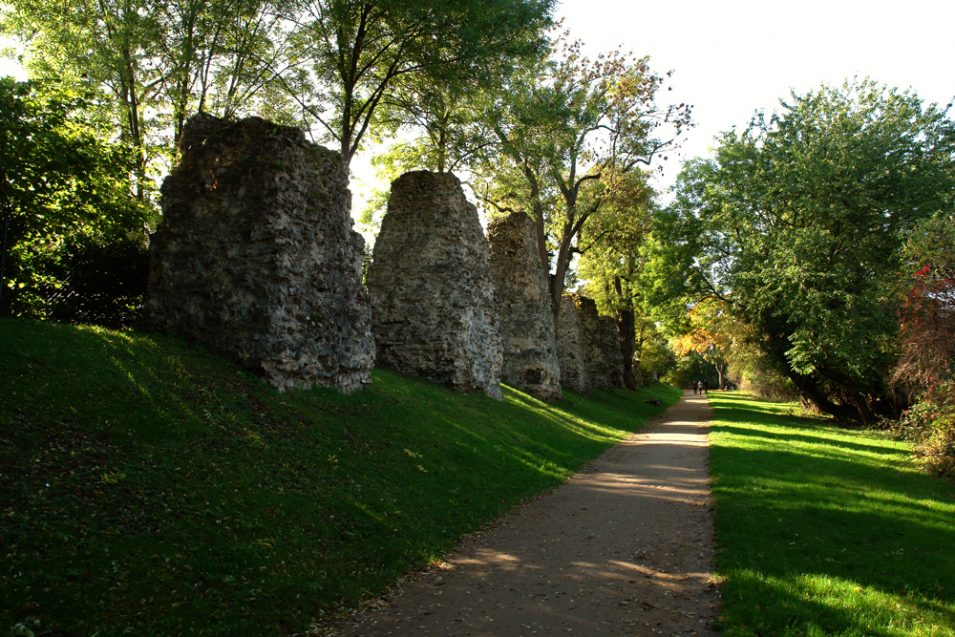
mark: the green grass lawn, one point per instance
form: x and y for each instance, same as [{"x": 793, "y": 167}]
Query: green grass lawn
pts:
[
  {"x": 826, "y": 531},
  {"x": 149, "y": 488}
]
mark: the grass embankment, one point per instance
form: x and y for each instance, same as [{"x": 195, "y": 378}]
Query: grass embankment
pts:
[
  {"x": 149, "y": 488},
  {"x": 826, "y": 531}
]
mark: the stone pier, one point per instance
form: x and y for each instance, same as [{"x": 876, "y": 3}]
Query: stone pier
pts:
[
  {"x": 434, "y": 310},
  {"x": 256, "y": 258},
  {"x": 524, "y": 308}
]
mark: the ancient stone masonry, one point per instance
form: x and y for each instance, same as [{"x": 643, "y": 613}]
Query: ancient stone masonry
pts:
[
  {"x": 523, "y": 305},
  {"x": 570, "y": 352},
  {"x": 601, "y": 347},
  {"x": 256, "y": 257},
  {"x": 434, "y": 312}
]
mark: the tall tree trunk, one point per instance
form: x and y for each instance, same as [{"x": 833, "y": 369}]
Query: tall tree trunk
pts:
[
  {"x": 627, "y": 331},
  {"x": 807, "y": 385},
  {"x": 557, "y": 281}
]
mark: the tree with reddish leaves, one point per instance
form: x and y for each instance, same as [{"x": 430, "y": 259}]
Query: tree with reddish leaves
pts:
[
  {"x": 926, "y": 363},
  {"x": 927, "y": 324}
]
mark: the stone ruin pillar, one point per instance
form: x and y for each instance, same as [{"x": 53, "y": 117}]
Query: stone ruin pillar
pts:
[
  {"x": 612, "y": 355},
  {"x": 570, "y": 352},
  {"x": 601, "y": 347},
  {"x": 524, "y": 309},
  {"x": 434, "y": 312},
  {"x": 256, "y": 257}
]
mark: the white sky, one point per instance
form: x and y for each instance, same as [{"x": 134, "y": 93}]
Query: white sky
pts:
[{"x": 732, "y": 57}]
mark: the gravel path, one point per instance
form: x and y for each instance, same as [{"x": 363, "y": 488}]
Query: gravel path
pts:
[{"x": 625, "y": 547}]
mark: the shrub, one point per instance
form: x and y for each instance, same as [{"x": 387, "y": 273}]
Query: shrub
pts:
[
  {"x": 931, "y": 423},
  {"x": 71, "y": 231}
]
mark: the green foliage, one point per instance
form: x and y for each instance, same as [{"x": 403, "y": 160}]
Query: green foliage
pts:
[
  {"x": 656, "y": 355},
  {"x": 152, "y": 63},
  {"x": 611, "y": 260},
  {"x": 824, "y": 531},
  {"x": 169, "y": 493},
  {"x": 446, "y": 118},
  {"x": 930, "y": 423},
  {"x": 363, "y": 54},
  {"x": 610, "y": 256},
  {"x": 66, "y": 209},
  {"x": 691, "y": 368},
  {"x": 799, "y": 222},
  {"x": 568, "y": 130}
]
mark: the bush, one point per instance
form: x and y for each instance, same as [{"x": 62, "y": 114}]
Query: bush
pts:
[
  {"x": 72, "y": 234},
  {"x": 103, "y": 283},
  {"x": 931, "y": 423}
]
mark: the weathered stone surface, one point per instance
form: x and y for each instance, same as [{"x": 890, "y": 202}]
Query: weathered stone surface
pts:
[
  {"x": 570, "y": 352},
  {"x": 601, "y": 347},
  {"x": 523, "y": 306},
  {"x": 256, "y": 257},
  {"x": 434, "y": 311}
]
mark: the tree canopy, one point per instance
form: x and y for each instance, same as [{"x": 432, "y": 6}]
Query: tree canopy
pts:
[
  {"x": 64, "y": 193},
  {"x": 568, "y": 129},
  {"x": 359, "y": 54},
  {"x": 798, "y": 225}
]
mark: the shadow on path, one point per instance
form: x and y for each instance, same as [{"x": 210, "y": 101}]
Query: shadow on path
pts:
[{"x": 625, "y": 547}]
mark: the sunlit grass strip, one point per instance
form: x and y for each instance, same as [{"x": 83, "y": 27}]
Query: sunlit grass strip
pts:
[{"x": 826, "y": 531}]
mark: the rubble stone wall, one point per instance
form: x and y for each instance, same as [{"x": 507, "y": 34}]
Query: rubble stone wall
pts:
[
  {"x": 611, "y": 354},
  {"x": 601, "y": 347},
  {"x": 524, "y": 309},
  {"x": 256, "y": 257},
  {"x": 434, "y": 311},
  {"x": 570, "y": 352}
]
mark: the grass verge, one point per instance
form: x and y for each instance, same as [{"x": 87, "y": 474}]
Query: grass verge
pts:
[
  {"x": 149, "y": 488},
  {"x": 826, "y": 531}
]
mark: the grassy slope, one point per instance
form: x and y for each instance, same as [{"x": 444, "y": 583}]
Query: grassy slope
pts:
[
  {"x": 149, "y": 487},
  {"x": 824, "y": 531}
]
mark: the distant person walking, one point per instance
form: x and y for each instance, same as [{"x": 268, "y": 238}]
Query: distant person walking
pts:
[
  {"x": 694, "y": 383},
  {"x": 704, "y": 386}
]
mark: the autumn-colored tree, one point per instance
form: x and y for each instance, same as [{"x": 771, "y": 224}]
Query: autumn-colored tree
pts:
[
  {"x": 926, "y": 366},
  {"x": 710, "y": 335},
  {"x": 568, "y": 129},
  {"x": 927, "y": 314}
]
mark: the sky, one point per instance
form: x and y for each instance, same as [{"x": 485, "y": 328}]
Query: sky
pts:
[{"x": 732, "y": 57}]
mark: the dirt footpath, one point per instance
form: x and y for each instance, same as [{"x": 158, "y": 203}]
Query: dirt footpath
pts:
[{"x": 623, "y": 548}]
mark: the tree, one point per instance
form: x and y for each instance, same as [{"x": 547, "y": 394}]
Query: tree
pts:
[
  {"x": 155, "y": 62},
  {"x": 216, "y": 54},
  {"x": 709, "y": 337},
  {"x": 357, "y": 51},
  {"x": 567, "y": 129},
  {"x": 927, "y": 313},
  {"x": 798, "y": 225},
  {"x": 926, "y": 365},
  {"x": 611, "y": 260},
  {"x": 110, "y": 44},
  {"x": 64, "y": 197}
]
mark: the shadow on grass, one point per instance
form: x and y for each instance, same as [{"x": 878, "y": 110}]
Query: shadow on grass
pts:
[
  {"x": 825, "y": 531},
  {"x": 877, "y": 447},
  {"x": 158, "y": 489}
]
